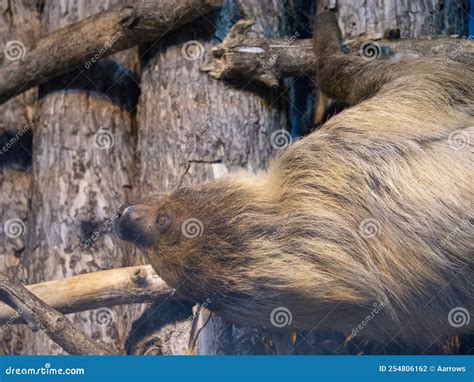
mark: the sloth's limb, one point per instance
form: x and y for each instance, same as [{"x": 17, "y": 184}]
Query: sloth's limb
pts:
[{"x": 343, "y": 76}]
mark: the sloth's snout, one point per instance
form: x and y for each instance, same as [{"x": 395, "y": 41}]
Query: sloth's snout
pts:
[{"x": 131, "y": 226}]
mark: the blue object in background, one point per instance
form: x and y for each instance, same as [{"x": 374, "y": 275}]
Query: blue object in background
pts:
[
  {"x": 471, "y": 18},
  {"x": 238, "y": 369}
]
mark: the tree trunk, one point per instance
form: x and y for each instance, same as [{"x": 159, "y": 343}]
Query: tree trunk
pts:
[
  {"x": 414, "y": 18},
  {"x": 83, "y": 169},
  {"x": 193, "y": 128},
  {"x": 18, "y": 28},
  {"x": 374, "y": 19}
]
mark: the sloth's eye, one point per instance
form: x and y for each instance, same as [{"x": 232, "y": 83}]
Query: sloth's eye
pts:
[{"x": 163, "y": 221}]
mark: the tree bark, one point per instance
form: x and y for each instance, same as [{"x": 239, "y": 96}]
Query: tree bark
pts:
[
  {"x": 193, "y": 128},
  {"x": 130, "y": 285},
  {"x": 373, "y": 19},
  {"x": 84, "y": 42},
  {"x": 19, "y": 20},
  {"x": 41, "y": 316},
  {"x": 244, "y": 56},
  {"x": 83, "y": 169}
]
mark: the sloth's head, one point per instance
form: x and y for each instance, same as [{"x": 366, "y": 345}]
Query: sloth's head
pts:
[{"x": 190, "y": 236}]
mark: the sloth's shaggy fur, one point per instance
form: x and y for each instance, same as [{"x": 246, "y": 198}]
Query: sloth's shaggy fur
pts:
[{"x": 376, "y": 207}]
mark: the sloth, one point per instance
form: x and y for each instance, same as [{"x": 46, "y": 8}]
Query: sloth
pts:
[{"x": 370, "y": 216}]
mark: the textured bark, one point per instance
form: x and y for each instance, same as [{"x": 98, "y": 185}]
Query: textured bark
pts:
[
  {"x": 243, "y": 55},
  {"x": 374, "y": 19},
  {"x": 193, "y": 128},
  {"x": 108, "y": 288},
  {"x": 18, "y": 21},
  {"x": 83, "y": 166},
  {"x": 162, "y": 329},
  {"x": 102, "y": 34},
  {"x": 41, "y": 316}
]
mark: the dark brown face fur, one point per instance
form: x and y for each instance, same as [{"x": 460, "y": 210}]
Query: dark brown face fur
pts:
[{"x": 186, "y": 236}]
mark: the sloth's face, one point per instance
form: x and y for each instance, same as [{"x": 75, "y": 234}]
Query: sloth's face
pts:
[
  {"x": 195, "y": 238},
  {"x": 168, "y": 228},
  {"x": 146, "y": 221}
]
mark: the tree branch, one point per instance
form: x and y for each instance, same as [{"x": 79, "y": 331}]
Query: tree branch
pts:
[
  {"x": 100, "y": 35},
  {"x": 245, "y": 55},
  {"x": 94, "y": 290},
  {"x": 39, "y": 315}
]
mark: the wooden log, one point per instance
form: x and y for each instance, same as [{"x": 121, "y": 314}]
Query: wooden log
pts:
[
  {"x": 130, "y": 285},
  {"x": 83, "y": 170},
  {"x": 20, "y": 21},
  {"x": 41, "y": 316},
  {"x": 244, "y": 55},
  {"x": 218, "y": 128},
  {"x": 100, "y": 35}
]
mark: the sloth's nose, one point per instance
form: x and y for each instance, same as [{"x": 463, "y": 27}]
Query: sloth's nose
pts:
[{"x": 127, "y": 226}]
